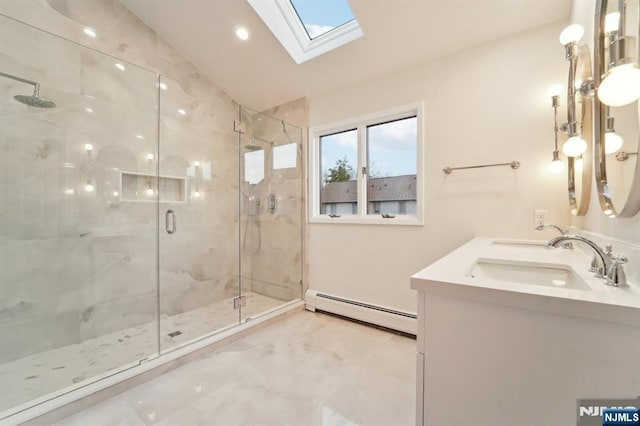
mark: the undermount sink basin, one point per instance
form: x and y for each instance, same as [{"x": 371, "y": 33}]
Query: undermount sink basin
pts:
[{"x": 526, "y": 273}]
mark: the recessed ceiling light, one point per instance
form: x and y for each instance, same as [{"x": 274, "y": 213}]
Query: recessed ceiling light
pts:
[
  {"x": 90, "y": 32},
  {"x": 150, "y": 156},
  {"x": 139, "y": 136},
  {"x": 89, "y": 109},
  {"x": 242, "y": 32},
  {"x": 182, "y": 112},
  {"x": 163, "y": 86},
  {"x": 120, "y": 67},
  {"x": 88, "y": 147}
]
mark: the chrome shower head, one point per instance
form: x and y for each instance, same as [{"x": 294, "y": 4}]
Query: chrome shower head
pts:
[
  {"x": 251, "y": 147},
  {"x": 35, "y": 101}
]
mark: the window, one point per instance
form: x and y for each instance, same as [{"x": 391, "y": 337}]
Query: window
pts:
[
  {"x": 309, "y": 28},
  {"x": 338, "y": 160},
  {"x": 367, "y": 170},
  {"x": 320, "y": 17}
]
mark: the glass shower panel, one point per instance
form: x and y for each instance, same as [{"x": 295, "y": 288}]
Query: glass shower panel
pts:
[
  {"x": 78, "y": 244},
  {"x": 199, "y": 214},
  {"x": 271, "y": 213}
]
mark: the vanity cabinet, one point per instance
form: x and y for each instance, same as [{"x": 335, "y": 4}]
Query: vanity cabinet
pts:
[{"x": 505, "y": 354}]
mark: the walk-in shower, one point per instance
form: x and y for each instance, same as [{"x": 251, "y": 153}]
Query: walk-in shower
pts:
[{"x": 121, "y": 226}]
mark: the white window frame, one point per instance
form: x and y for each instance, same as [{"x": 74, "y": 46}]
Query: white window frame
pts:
[
  {"x": 361, "y": 124},
  {"x": 283, "y": 21}
]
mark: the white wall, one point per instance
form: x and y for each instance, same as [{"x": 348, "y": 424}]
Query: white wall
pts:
[{"x": 483, "y": 105}]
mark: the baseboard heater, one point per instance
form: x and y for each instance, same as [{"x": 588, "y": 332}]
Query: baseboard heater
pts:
[{"x": 378, "y": 315}]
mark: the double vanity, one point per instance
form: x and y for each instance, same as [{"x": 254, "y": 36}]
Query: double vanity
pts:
[{"x": 514, "y": 332}]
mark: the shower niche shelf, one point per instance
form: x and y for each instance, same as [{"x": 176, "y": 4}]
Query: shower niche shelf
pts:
[{"x": 141, "y": 187}]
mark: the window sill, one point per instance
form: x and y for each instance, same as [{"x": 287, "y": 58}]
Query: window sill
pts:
[{"x": 399, "y": 220}]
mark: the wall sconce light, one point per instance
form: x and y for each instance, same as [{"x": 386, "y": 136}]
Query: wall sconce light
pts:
[
  {"x": 621, "y": 83},
  {"x": 569, "y": 37},
  {"x": 556, "y": 165}
]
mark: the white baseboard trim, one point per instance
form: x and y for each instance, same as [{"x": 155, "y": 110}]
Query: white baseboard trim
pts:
[{"x": 394, "y": 319}]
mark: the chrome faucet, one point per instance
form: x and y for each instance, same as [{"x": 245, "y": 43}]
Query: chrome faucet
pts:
[{"x": 610, "y": 266}]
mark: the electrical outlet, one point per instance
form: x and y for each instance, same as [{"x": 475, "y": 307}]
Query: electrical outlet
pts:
[{"x": 540, "y": 218}]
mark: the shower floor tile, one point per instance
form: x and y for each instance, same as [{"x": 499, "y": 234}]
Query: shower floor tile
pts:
[{"x": 32, "y": 377}]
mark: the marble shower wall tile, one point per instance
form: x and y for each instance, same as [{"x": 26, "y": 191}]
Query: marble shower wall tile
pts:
[
  {"x": 199, "y": 263},
  {"x": 81, "y": 264},
  {"x": 295, "y": 112}
]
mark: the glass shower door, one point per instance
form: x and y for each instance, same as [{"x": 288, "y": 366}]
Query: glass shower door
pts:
[
  {"x": 271, "y": 213},
  {"x": 78, "y": 281},
  {"x": 199, "y": 215}
]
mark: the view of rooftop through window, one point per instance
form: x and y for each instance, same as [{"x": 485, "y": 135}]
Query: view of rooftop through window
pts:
[{"x": 320, "y": 17}]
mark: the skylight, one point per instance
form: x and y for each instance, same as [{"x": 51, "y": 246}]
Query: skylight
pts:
[
  {"x": 321, "y": 17},
  {"x": 308, "y": 28}
]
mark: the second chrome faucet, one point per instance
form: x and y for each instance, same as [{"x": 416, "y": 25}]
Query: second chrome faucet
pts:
[{"x": 605, "y": 265}]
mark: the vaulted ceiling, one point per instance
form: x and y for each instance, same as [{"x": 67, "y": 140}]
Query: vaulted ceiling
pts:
[{"x": 259, "y": 73}]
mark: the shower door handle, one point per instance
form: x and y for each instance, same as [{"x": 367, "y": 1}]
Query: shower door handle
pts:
[{"x": 170, "y": 221}]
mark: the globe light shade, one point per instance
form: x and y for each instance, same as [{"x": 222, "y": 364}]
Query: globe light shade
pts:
[
  {"x": 621, "y": 86},
  {"x": 556, "y": 166},
  {"x": 612, "y": 142},
  {"x": 574, "y": 146},
  {"x": 555, "y": 90},
  {"x": 571, "y": 34}
]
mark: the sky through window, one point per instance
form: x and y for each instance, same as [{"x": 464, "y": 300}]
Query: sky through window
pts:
[{"x": 320, "y": 17}]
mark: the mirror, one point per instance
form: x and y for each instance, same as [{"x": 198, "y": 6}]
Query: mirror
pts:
[
  {"x": 580, "y": 167},
  {"x": 616, "y": 166}
]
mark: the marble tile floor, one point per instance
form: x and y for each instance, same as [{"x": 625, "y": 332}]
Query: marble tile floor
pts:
[
  {"x": 34, "y": 376},
  {"x": 308, "y": 369}
]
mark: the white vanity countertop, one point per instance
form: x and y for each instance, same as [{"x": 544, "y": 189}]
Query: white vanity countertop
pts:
[{"x": 451, "y": 274}]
